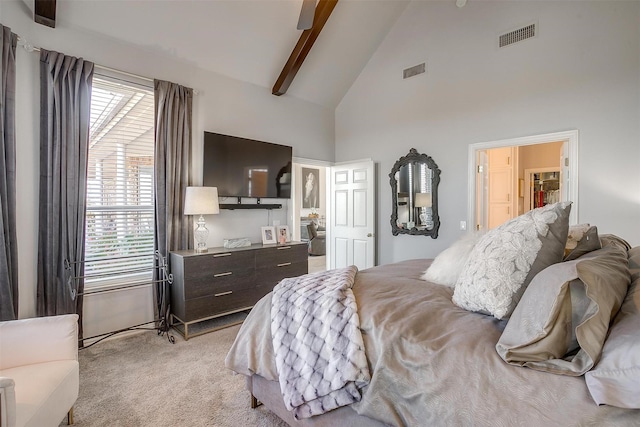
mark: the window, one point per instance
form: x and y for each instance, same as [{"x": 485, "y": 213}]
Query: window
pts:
[{"x": 119, "y": 223}]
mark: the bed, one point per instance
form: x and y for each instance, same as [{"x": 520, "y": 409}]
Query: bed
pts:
[{"x": 433, "y": 362}]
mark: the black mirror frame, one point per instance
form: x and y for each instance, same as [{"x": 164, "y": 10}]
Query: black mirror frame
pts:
[{"x": 411, "y": 158}]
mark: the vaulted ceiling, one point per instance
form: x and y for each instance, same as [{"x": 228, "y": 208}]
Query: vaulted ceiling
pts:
[{"x": 249, "y": 40}]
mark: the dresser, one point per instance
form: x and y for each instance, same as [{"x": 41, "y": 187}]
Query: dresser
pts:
[{"x": 224, "y": 281}]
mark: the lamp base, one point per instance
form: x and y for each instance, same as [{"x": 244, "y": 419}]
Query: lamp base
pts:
[
  {"x": 426, "y": 219},
  {"x": 201, "y": 233}
]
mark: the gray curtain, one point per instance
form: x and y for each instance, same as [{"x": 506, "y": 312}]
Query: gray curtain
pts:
[
  {"x": 65, "y": 107},
  {"x": 172, "y": 170},
  {"x": 8, "y": 239}
]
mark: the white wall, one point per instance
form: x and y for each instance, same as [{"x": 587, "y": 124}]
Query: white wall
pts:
[
  {"x": 222, "y": 105},
  {"x": 580, "y": 72}
]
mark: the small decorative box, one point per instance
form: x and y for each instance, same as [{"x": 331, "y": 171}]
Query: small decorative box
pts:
[{"x": 237, "y": 243}]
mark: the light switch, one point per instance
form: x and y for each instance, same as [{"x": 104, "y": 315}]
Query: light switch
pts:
[{"x": 463, "y": 225}]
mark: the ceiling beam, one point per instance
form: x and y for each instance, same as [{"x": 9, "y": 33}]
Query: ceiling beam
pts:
[
  {"x": 304, "y": 45},
  {"x": 45, "y": 12}
]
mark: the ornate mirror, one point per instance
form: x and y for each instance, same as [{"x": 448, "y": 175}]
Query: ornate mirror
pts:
[{"x": 414, "y": 188}]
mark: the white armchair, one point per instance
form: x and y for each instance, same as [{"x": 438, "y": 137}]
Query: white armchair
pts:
[{"x": 39, "y": 371}]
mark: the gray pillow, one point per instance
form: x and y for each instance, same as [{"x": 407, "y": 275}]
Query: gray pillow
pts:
[
  {"x": 505, "y": 259},
  {"x": 613, "y": 240},
  {"x": 588, "y": 242},
  {"x": 539, "y": 334},
  {"x": 615, "y": 380}
]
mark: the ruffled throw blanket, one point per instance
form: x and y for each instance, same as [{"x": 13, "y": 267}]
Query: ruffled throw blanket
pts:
[{"x": 318, "y": 346}]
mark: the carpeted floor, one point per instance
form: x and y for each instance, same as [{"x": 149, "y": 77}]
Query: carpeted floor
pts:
[
  {"x": 317, "y": 263},
  {"x": 143, "y": 380}
]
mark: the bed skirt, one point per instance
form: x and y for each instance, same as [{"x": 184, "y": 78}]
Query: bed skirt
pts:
[{"x": 268, "y": 393}]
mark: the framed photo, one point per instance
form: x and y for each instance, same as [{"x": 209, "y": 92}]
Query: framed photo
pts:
[
  {"x": 284, "y": 235},
  {"x": 268, "y": 235},
  {"x": 310, "y": 188}
]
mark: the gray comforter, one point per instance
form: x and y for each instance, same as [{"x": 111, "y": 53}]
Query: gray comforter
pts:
[{"x": 435, "y": 364}]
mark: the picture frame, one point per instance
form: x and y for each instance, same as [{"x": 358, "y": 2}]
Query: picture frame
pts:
[
  {"x": 268, "y": 235},
  {"x": 310, "y": 188},
  {"x": 283, "y": 233}
]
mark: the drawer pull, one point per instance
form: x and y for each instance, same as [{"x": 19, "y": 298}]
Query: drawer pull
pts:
[
  {"x": 283, "y": 247},
  {"x": 228, "y": 273},
  {"x": 219, "y": 255},
  {"x": 284, "y": 264},
  {"x": 221, "y": 294}
]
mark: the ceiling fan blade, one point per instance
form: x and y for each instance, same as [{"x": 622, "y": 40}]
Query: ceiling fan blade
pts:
[{"x": 306, "y": 14}]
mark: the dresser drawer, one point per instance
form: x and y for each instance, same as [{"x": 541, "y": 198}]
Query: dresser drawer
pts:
[
  {"x": 208, "y": 265},
  {"x": 223, "y": 282},
  {"x": 200, "y": 308},
  {"x": 277, "y": 256},
  {"x": 259, "y": 292},
  {"x": 271, "y": 276},
  {"x": 211, "y": 284}
]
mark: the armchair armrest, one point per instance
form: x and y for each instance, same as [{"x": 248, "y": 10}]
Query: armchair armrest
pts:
[
  {"x": 7, "y": 402},
  {"x": 37, "y": 340}
]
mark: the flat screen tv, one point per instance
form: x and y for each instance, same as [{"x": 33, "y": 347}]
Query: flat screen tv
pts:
[{"x": 242, "y": 167}]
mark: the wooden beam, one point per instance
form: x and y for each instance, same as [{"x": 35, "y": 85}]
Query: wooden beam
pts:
[
  {"x": 304, "y": 45},
  {"x": 45, "y": 12}
]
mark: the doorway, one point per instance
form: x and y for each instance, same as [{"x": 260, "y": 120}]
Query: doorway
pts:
[
  {"x": 345, "y": 214},
  {"x": 510, "y": 177},
  {"x": 309, "y": 211}
]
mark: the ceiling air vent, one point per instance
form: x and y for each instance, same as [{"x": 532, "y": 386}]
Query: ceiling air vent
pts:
[
  {"x": 517, "y": 35},
  {"x": 413, "y": 71}
]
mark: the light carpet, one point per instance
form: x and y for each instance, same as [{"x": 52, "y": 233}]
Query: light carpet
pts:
[{"x": 143, "y": 380}]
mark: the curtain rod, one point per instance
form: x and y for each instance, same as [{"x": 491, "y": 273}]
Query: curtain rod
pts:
[{"x": 31, "y": 48}]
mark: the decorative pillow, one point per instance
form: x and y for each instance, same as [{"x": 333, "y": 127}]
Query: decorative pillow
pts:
[
  {"x": 576, "y": 232},
  {"x": 505, "y": 259},
  {"x": 581, "y": 241},
  {"x": 539, "y": 334},
  {"x": 613, "y": 240},
  {"x": 615, "y": 380},
  {"x": 446, "y": 267}
]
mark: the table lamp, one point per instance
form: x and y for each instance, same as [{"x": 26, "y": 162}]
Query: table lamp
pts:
[
  {"x": 423, "y": 200},
  {"x": 201, "y": 201}
]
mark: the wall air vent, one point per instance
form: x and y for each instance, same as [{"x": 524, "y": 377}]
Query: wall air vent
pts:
[
  {"x": 517, "y": 35},
  {"x": 413, "y": 71}
]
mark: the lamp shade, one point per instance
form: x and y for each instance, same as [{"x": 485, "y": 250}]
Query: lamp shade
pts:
[
  {"x": 423, "y": 200},
  {"x": 201, "y": 201}
]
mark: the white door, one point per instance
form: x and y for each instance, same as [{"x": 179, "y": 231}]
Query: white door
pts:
[
  {"x": 482, "y": 190},
  {"x": 351, "y": 235}
]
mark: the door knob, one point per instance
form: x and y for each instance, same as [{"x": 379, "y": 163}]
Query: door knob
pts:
[{"x": 369, "y": 235}]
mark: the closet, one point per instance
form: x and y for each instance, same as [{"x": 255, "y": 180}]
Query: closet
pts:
[{"x": 543, "y": 186}]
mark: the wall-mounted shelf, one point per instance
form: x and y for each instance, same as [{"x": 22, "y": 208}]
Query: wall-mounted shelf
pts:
[{"x": 232, "y": 206}]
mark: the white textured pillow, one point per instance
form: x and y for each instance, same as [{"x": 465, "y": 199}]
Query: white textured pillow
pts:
[
  {"x": 446, "y": 267},
  {"x": 505, "y": 259}
]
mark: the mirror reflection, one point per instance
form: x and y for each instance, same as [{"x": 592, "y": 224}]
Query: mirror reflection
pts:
[{"x": 414, "y": 183}]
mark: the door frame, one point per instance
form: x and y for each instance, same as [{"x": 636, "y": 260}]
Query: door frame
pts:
[
  {"x": 296, "y": 201},
  {"x": 570, "y": 162}
]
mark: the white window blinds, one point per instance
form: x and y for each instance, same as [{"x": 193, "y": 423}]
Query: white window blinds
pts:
[{"x": 119, "y": 224}]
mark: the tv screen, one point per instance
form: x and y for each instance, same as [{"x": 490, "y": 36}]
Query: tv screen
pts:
[{"x": 242, "y": 167}]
